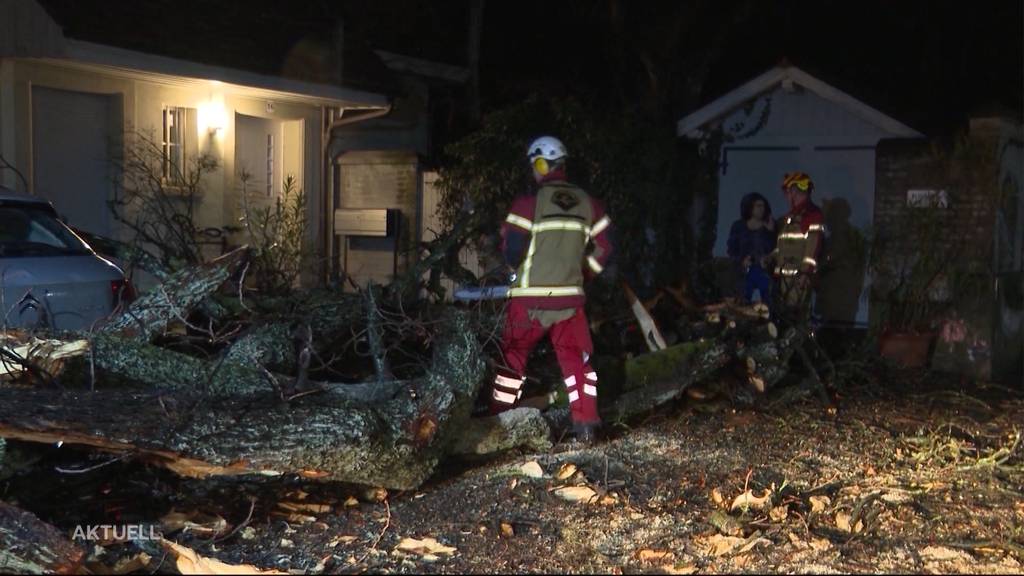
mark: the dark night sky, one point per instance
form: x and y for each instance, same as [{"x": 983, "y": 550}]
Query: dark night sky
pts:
[{"x": 927, "y": 63}]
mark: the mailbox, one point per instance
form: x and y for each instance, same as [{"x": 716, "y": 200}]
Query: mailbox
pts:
[{"x": 376, "y": 222}]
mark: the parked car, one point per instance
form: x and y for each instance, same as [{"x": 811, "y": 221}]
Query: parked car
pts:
[{"x": 50, "y": 277}]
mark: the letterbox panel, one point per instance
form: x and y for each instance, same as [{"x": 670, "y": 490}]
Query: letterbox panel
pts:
[{"x": 361, "y": 222}]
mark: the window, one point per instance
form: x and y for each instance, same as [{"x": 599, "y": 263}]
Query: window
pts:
[
  {"x": 177, "y": 133},
  {"x": 27, "y": 230}
]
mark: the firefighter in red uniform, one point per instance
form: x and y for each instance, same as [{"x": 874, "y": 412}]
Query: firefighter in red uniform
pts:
[
  {"x": 798, "y": 248},
  {"x": 552, "y": 238}
]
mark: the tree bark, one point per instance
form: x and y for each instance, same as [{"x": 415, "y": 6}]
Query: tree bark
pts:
[
  {"x": 768, "y": 362},
  {"x": 30, "y": 546},
  {"x": 174, "y": 298},
  {"x": 393, "y": 441},
  {"x": 327, "y": 313}
]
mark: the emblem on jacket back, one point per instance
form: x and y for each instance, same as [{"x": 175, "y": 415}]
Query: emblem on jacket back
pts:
[{"x": 565, "y": 200}]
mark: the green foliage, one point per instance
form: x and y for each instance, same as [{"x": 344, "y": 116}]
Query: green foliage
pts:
[
  {"x": 278, "y": 237},
  {"x": 633, "y": 164}
]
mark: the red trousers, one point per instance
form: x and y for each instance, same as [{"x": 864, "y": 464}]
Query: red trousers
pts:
[{"x": 572, "y": 344}]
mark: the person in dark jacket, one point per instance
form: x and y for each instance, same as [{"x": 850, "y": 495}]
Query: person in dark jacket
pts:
[{"x": 751, "y": 239}]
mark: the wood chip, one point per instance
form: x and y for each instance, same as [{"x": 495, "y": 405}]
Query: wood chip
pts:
[
  {"x": 820, "y": 544},
  {"x": 820, "y": 503},
  {"x": 843, "y": 522},
  {"x": 719, "y": 545},
  {"x": 532, "y": 470},
  {"x": 650, "y": 556},
  {"x": 375, "y": 494},
  {"x": 195, "y": 522},
  {"x": 294, "y": 517},
  {"x": 566, "y": 471},
  {"x": 717, "y": 498},
  {"x": 747, "y": 500},
  {"x": 576, "y": 493},
  {"x": 696, "y": 393},
  {"x": 779, "y": 513},
  {"x": 351, "y": 501},
  {"x": 424, "y": 546},
  {"x": 341, "y": 540},
  {"x": 188, "y": 562},
  {"x": 305, "y": 507}
]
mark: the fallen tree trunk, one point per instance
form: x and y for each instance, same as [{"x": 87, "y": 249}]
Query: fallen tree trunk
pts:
[
  {"x": 174, "y": 298},
  {"x": 652, "y": 381},
  {"x": 328, "y": 314},
  {"x": 768, "y": 362},
  {"x": 30, "y": 546},
  {"x": 166, "y": 371},
  {"x": 693, "y": 369},
  {"x": 393, "y": 442}
]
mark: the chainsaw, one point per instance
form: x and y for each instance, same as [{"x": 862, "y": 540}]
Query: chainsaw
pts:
[{"x": 652, "y": 336}]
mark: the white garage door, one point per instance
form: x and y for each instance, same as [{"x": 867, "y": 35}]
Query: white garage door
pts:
[
  {"x": 71, "y": 137},
  {"x": 844, "y": 181}
]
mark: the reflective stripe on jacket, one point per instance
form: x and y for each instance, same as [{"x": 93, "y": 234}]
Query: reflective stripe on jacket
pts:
[{"x": 800, "y": 238}]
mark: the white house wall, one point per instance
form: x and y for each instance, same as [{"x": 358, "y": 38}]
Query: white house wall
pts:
[{"x": 143, "y": 104}]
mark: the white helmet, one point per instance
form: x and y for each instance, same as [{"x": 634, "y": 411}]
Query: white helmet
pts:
[{"x": 548, "y": 148}]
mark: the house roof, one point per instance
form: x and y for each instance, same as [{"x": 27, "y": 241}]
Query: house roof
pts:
[
  {"x": 266, "y": 37},
  {"x": 691, "y": 124}
]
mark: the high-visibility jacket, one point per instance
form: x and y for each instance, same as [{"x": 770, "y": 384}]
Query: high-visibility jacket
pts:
[
  {"x": 546, "y": 237},
  {"x": 801, "y": 233}
]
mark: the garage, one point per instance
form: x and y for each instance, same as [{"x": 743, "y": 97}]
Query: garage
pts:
[
  {"x": 72, "y": 134},
  {"x": 784, "y": 121}
]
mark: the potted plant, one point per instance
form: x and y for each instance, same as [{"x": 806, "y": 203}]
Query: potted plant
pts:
[{"x": 907, "y": 266}]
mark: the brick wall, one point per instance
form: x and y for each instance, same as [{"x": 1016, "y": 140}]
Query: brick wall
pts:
[{"x": 902, "y": 165}]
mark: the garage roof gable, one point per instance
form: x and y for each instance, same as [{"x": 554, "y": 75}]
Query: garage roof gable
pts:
[{"x": 692, "y": 125}]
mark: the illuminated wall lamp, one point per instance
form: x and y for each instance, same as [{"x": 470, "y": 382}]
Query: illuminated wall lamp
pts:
[{"x": 212, "y": 116}]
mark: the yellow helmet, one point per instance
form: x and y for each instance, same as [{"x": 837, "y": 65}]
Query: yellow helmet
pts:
[{"x": 799, "y": 179}]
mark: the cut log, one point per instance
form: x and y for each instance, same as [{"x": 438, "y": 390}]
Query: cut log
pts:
[
  {"x": 768, "y": 362},
  {"x": 30, "y": 546},
  {"x": 395, "y": 442}
]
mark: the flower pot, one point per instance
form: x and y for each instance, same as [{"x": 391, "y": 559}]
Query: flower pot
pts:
[{"x": 907, "y": 349}]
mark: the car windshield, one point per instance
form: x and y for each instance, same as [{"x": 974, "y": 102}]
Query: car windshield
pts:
[{"x": 27, "y": 230}]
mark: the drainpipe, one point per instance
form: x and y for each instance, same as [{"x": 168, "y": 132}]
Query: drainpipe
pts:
[{"x": 331, "y": 118}]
